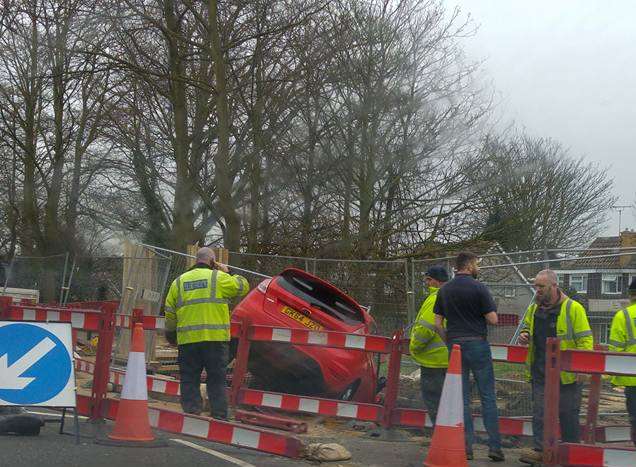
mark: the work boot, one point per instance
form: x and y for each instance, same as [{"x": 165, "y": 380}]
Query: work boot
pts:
[
  {"x": 496, "y": 455},
  {"x": 531, "y": 456}
]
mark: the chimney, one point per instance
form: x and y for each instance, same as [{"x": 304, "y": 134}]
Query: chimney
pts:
[{"x": 627, "y": 240}]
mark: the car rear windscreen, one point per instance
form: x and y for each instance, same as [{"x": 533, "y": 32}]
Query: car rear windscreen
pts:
[{"x": 322, "y": 297}]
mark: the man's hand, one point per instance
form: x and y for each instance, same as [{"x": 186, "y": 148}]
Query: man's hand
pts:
[
  {"x": 439, "y": 325},
  {"x": 523, "y": 339},
  {"x": 171, "y": 337},
  {"x": 221, "y": 267}
]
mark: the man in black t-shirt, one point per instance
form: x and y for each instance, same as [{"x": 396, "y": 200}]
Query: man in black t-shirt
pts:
[{"x": 468, "y": 308}]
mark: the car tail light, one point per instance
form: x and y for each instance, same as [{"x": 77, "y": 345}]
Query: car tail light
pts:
[{"x": 263, "y": 285}]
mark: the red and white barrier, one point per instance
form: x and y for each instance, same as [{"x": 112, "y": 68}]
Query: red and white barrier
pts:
[
  {"x": 158, "y": 385},
  {"x": 209, "y": 429},
  {"x": 79, "y": 319},
  {"x": 588, "y": 361},
  {"x": 612, "y": 434},
  {"x": 507, "y": 426},
  {"x": 418, "y": 418},
  {"x": 87, "y": 320},
  {"x": 355, "y": 410},
  {"x": 509, "y": 353},
  {"x": 595, "y": 456},
  {"x": 341, "y": 340}
]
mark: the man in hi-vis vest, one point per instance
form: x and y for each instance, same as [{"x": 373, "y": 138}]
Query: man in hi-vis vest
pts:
[
  {"x": 623, "y": 339},
  {"x": 198, "y": 321},
  {"x": 553, "y": 314},
  {"x": 426, "y": 345}
]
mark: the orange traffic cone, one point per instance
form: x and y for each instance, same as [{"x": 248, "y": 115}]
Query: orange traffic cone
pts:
[
  {"x": 132, "y": 422},
  {"x": 448, "y": 447}
]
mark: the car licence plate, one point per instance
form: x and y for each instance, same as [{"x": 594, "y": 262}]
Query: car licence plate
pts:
[{"x": 302, "y": 319}]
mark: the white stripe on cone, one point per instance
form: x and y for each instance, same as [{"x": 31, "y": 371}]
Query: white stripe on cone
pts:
[
  {"x": 135, "y": 386},
  {"x": 451, "y": 404}
]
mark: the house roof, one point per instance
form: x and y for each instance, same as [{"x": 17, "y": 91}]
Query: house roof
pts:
[{"x": 589, "y": 259}]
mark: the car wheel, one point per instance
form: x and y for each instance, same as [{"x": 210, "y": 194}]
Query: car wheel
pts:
[{"x": 348, "y": 393}]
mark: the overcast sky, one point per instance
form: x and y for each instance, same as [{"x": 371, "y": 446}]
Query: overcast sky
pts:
[{"x": 565, "y": 69}]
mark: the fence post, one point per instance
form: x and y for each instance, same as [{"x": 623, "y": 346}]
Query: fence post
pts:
[
  {"x": 551, "y": 402},
  {"x": 410, "y": 292},
  {"x": 102, "y": 360},
  {"x": 240, "y": 364},
  {"x": 63, "y": 285},
  {"x": 393, "y": 379}
]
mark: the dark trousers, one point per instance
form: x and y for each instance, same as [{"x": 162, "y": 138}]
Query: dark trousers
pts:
[
  {"x": 477, "y": 358},
  {"x": 569, "y": 408},
  {"x": 432, "y": 383},
  {"x": 193, "y": 358},
  {"x": 630, "y": 400}
]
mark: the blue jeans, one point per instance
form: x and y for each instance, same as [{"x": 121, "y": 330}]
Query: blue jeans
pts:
[{"x": 476, "y": 357}]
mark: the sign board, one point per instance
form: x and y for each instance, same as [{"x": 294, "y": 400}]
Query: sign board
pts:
[
  {"x": 150, "y": 295},
  {"x": 36, "y": 364}
]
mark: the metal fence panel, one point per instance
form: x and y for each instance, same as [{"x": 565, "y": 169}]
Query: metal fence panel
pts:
[{"x": 43, "y": 273}]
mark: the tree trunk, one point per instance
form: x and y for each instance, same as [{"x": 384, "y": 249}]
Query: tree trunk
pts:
[
  {"x": 222, "y": 177},
  {"x": 183, "y": 232},
  {"x": 31, "y": 231}
]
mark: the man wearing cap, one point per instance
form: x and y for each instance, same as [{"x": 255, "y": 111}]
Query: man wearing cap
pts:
[
  {"x": 426, "y": 345},
  {"x": 623, "y": 339},
  {"x": 198, "y": 321},
  {"x": 553, "y": 314}
]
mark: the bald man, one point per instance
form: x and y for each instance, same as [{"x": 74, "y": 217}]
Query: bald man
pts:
[
  {"x": 198, "y": 321},
  {"x": 553, "y": 314}
]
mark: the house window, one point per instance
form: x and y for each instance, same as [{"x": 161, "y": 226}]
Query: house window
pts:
[
  {"x": 611, "y": 283},
  {"x": 631, "y": 278},
  {"x": 561, "y": 280},
  {"x": 509, "y": 292},
  {"x": 578, "y": 282}
]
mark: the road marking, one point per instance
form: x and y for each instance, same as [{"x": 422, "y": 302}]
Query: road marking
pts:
[{"x": 212, "y": 452}]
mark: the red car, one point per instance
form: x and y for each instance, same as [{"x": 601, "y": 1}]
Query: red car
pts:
[{"x": 297, "y": 299}]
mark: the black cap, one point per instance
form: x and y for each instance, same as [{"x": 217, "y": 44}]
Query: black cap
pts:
[
  {"x": 632, "y": 286},
  {"x": 437, "y": 272}
]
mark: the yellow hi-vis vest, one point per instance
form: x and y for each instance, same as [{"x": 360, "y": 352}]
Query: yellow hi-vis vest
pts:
[
  {"x": 197, "y": 304},
  {"x": 426, "y": 345},
  {"x": 622, "y": 339},
  {"x": 572, "y": 328}
]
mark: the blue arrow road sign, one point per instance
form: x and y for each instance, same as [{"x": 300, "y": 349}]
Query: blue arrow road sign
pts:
[{"x": 35, "y": 365}]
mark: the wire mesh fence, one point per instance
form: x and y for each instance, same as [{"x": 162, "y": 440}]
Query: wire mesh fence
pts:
[
  {"x": 597, "y": 276},
  {"x": 44, "y": 274},
  {"x": 380, "y": 286}
]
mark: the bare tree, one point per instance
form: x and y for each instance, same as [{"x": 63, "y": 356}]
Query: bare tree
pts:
[{"x": 535, "y": 195}]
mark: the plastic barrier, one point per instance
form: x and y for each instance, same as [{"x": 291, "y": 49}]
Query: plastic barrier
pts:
[
  {"x": 84, "y": 319},
  {"x": 207, "y": 428},
  {"x": 586, "y": 362},
  {"x": 293, "y": 403},
  {"x": 158, "y": 385},
  {"x": 102, "y": 320},
  {"x": 105, "y": 320}
]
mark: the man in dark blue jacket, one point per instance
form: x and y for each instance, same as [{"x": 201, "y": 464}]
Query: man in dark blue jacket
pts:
[{"x": 468, "y": 308}]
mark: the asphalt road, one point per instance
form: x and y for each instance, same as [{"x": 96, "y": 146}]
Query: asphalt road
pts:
[{"x": 51, "y": 449}]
